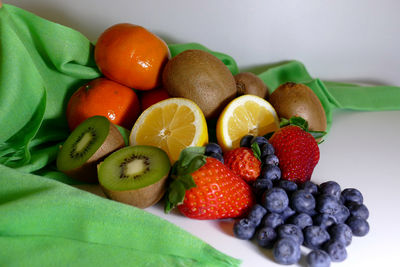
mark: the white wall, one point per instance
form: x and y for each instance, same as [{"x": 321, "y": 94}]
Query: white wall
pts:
[{"x": 342, "y": 40}]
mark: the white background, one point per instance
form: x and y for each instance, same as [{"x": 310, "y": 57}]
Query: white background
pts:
[{"x": 341, "y": 40}]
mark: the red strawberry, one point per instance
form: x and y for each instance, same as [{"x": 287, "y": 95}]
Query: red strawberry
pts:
[
  {"x": 297, "y": 151},
  {"x": 204, "y": 188},
  {"x": 244, "y": 163}
]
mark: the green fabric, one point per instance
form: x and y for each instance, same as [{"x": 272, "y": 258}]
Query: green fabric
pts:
[
  {"x": 46, "y": 222},
  {"x": 333, "y": 95}
]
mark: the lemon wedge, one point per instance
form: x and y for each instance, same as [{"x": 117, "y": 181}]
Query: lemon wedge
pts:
[
  {"x": 172, "y": 125},
  {"x": 246, "y": 114}
]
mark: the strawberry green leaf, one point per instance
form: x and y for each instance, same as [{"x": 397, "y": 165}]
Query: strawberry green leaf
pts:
[
  {"x": 317, "y": 134},
  {"x": 190, "y": 160},
  {"x": 256, "y": 150},
  {"x": 303, "y": 124},
  {"x": 187, "y": 154},
  {"x": 175, "y": 196}
]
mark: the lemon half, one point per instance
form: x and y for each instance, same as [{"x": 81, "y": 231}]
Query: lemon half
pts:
[
  {"x": 172, "y": 125},
  {"x": 246, "y": 114}
]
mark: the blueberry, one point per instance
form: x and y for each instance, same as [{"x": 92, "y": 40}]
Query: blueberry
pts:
[
  {"x": 287, "y": 213},
  {"x": 310, "y": 187},
  {"x": 328, "y": 204},
  {"x": 330, "y": 188},
  {"x": 245, "y": 141},
  {"x": 260, "y": 186},
  {"x": 286, "y": 251},
  {"x": 358, "y": 210},
  {"x": 266, "y": 237},
  {"x": 267, "y": 149},
  {"x": 336, "y": 251},
  {"x": 288, "y": 186},
  {"x": 275, "y": 200},
  {"x": 302, "y": 201},
  {"x": 352, "y": 195},
  {"x": 217, "y": 156},
  {"x": 244, "y": 229},
  {"x": 270, "y": 160},
  {"x": 318, "y": 258},
  {"x": 302, "y": 220},
  {"x": 213, "y": 148},
  {"x": 291, "y": 231},
  {"x": 260, "y": 140},
  {"x": 256, "y": 214},
  {"x": 272, "y": 220},
  {"x": 342, "y": 214},
  {"x": 271, "y": 172},
  {"x": 315, "y": 236},
  {"x": 359, "y": 226},
  {"x": 341, "y": 233},
  {"x": 324, "y": 220}
]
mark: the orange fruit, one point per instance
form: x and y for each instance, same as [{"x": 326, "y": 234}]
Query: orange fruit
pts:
[
  {"x": 103, "y": 97},
  {"x": 150, "y": 97},
  {"x": 131, "y": 55}
]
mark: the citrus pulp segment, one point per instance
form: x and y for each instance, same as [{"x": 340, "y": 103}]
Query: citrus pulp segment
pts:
[
  {"x": 247, "y": 114},
  {"x": 172, "y": 125}
]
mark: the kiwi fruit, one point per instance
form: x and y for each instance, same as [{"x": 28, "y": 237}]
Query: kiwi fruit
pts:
[
  {"x": 202, "y": 77},
  {"x": 296, "y": 99},
  {"x": 86, "y": 146},
  {"x": 249, "y": 83},
  {"x": 135, "y": 175}
]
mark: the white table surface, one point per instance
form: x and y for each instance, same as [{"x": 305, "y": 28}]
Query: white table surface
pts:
[{"x": 349, "y": 41}]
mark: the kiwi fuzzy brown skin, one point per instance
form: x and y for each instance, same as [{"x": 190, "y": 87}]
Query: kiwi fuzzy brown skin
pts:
[
  {"x": 87, "y": 172},
  {"x": 200, "y": 76},
  {"x": 296, "y": 99},
  {"x": 140, "y": 198},
  {"x": 249, "y": 83}
]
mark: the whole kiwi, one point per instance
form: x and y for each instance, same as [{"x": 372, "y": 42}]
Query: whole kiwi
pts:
[
  {"x": 296, "y": 99},
  {"x": 202, "y": 77},
  {"x": 249, "y": 83}
]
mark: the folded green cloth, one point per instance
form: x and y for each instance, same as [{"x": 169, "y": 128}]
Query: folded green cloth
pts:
[{"x": 45, "y": 221}]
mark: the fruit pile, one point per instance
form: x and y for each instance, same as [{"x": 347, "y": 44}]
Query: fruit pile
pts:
[{"x": 215, "y": 145}]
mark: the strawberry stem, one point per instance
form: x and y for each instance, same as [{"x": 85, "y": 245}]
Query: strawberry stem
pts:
[
  {"x": 303, "y": 124},
  {"x": 190, "y": 160}
]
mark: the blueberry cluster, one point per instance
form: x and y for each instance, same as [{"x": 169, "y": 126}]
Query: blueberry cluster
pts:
[{"x": 323, "y": 218}]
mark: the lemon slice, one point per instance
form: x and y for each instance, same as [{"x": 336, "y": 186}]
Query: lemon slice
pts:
[
  {"x": 172, "y": 125},
  {"x": 246, "y": 114}
]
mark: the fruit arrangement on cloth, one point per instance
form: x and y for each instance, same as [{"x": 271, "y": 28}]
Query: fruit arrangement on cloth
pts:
[{"x": 215, "y": 145}]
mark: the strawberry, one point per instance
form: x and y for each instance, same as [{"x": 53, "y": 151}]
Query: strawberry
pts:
[
  {"x": 204, "y": 188},
  {"x": 297, "y": 150},
  {"x": 243, "y": 162}
]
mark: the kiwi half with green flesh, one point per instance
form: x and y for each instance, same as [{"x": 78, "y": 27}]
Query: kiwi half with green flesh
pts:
[
  {"x": 135, "y": 175},
  {"x": 86, "y": 146},
  {"x": 249, "y": 83}
]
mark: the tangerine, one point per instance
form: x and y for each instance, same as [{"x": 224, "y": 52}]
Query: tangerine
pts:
[
  {"x": 150, "y": 97},
  {"x": 101, "y": 96},
  {"x": 131, "y": 55}
]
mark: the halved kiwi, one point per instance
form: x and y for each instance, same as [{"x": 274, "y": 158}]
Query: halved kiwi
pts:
[
  {"x": 135, "y": 175},
  {"x": 86, "y": 146}
]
